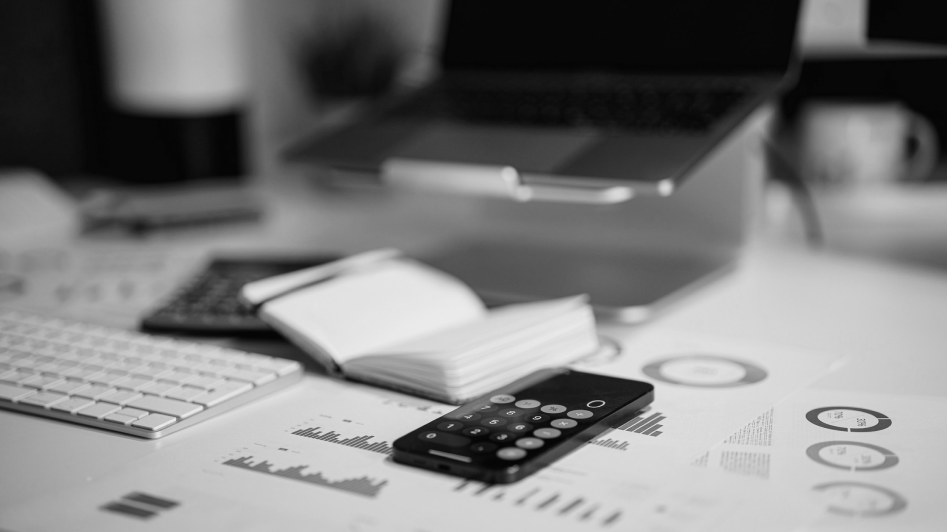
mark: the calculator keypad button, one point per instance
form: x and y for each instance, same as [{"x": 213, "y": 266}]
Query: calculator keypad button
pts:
[
  {"x": 502, "y": 399},
  {"x": 529, "y": 443},
  {"x": 450, "y": 440},
  {"x": 528, "y": 403},
  {"x": 450, "y": 425},
  {"x": 511, "y": 453},
  {"x": 579, "y": 414},
  {"x": 547, "y": 433},
  {"x": 537, "y": 418},
  {"x": 510, "y": 412},
  {"x": 493, "y": 422},
  {"x": 484, "y": 447},
  {"x": 501, "y": 437},
  {"x": 519, "y": 428},
  {"x": 476, "y": 431},
  {"x": 486, "y": 408},
  {"x": 469, "y": 417},
  {"x": 553, "y": 409},
  {"x": 564, "y": 423}
]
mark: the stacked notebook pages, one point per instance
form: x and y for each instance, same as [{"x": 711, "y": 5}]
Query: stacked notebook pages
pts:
[{"x": 391, "y": 321}]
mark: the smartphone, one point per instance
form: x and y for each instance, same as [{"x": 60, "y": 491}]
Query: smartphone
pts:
[{"x": 518, "y": 429}]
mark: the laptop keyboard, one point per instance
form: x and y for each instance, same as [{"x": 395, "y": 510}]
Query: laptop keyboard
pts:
[
  {"x": 619, "y": 106},
  {"x": 126, "y": 382}
]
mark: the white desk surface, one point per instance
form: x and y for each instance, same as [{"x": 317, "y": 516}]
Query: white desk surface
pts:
[{"x": 889, "y": 320}]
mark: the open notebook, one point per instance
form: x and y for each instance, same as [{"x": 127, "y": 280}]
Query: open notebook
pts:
[{"x": 388, "y": 320}]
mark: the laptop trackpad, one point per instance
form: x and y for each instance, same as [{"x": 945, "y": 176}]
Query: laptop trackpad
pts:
[{"x": 524, "y": 149}]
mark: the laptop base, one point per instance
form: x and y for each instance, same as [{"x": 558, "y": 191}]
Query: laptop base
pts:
[{"x": 624, "y": 286}]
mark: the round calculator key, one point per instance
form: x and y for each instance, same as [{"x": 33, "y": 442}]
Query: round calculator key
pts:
[
  {"x": 553, "y": 409},
  {"x": 519, "y": 428},
  {"x": 598, "y": 403},
  {"x": 501, "y": 437},
  {"x": 510, "y": 412},
  {"x": 529, "y": 443},
  {"x": 476, "y": 431},
  {"x": 564, "y": 423},
  {"x": 537, "y": 418},
  {"x": 484, "y": 447},
  {"x": 450, "y": 425},
  {"x": 486, "y": 408},
  {"x": 547, "y": 434},
  {"x": 502, "y": 399},
  {"x": 493, "y": 422},
  {"x": 469, "y": 417},
  {"x": 528, "y": 403},
  {"x": 511, "y": 453},
  {"x": 450, "y": 440},
  {"x": 579, "y": 414}
]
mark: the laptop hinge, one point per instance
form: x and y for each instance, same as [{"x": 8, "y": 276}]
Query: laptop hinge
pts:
[{"x": 493, "y": 181}]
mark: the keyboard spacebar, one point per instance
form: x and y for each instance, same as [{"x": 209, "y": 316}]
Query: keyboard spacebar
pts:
[{"x": 163, "y": 405}]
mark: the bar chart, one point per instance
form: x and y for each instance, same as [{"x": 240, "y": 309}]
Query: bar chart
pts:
[
  {"x": 645, "y": 425},
  {"x": 609, "y": 443},
  {"x": 360, "y": 485},
  {"x": 542, "y": 499},
  {"x": 358, "y": 442}
]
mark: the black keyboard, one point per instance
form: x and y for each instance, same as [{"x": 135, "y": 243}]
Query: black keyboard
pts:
[
  {"x": 209, "y": 304},
  {"x": 621, "y": 106}
]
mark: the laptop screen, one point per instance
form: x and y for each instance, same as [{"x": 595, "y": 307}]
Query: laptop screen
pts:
[{"x": 660, "y": 36}]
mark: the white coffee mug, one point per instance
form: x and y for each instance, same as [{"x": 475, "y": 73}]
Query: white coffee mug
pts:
[{"x": 850, "y": 142}]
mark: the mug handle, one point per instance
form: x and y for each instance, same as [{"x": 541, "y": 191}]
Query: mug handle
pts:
[{"x": 924, "y": 158}]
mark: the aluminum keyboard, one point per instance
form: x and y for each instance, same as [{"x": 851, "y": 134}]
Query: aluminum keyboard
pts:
[{"x": 127, "y": 382}]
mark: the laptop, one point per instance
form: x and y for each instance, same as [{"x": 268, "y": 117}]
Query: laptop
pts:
[
  {"x": 611, "y": 124},
  {"x": 589, "y": 95}
]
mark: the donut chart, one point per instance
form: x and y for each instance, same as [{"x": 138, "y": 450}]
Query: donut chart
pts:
[
  {"x": 704, "y": 371},
  {"x": 860, "y": 499},
  {"x": 848, "y": 419},
  {"x": 852, "y": 455}
]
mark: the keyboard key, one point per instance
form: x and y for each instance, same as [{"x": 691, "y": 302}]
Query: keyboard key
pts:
[
  {"x": 69, "y": 386},
  {"x": 132, "y": 383},
  {"x": 206, "y": 382},
  {"x": 80, "y": 372},
  {"x": 280, "y": 365},
  {"x": 154, "y": 422},
  {"x": 256, "y": 377},
  {"x": 121, "y": 419},
  {"x": 133, "y": 412},
  {"x": 94, "y": 391},
  {"x": 12, "y": 392},
  {"x": 121, "y": 397},
  {"x": 163, "y": 405},
  {"x": 223, "y": 393},
  {"x": 185, "y": 393},
  {"x": 44, "y": 399},
  {"x": 41, "y": 381},
  {"x": 159, "y": 388},
  {"x": 105, "y": 377},
  {"x": 72, "y": 405},
  {"x": 98, "y": 410}
]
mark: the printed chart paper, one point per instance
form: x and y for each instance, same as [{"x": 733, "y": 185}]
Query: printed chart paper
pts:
[
  {"x": 319, "y": 456},
  {"x": 873, "y": 461},
  {"x": 706, "y": 388}
]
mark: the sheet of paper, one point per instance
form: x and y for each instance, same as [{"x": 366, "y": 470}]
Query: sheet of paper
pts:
[
  {"x": 319, "y": 456},
  {"x": 99, "y": 283},
  {"x": 706, "y": 387},
  {"x": 873, "y": 461}
]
